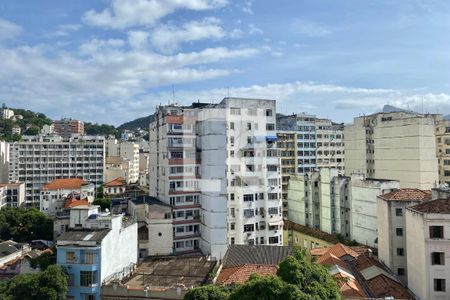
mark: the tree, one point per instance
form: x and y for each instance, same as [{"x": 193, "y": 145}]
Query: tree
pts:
[
  {"x": 43, "y": 261},
  {"x": 48, "y": 285},
  {"x": 103, "y": 202},
  {"x": 269, "y": 288},
  {"x": 312, "y": 278},
  {"x": 207, "y": 292},
  {"x": 24, "y": 224}
]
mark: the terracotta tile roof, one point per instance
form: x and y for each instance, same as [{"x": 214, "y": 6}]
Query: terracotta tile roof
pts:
[
  {"x": 73, "y": 202},
  {"x": 438, "y": 206},
  {"x": 349, "y": 286},
  {"x": 120, "y": 181},
  {"x": 236, "y": 275},
  {"x": 382, "y": 286},
  {"x": 407, "y": 195},
  {"x": 379, "y": 279},
  {"x": 65, "y": 184},
  {"x": 329, "y": 259},
  {"x": 339, "y": 250}
]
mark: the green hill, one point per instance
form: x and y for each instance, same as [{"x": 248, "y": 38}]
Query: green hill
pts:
[{"x": 142, "y": 123}]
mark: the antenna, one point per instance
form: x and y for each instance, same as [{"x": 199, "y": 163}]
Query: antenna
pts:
[
  {"x": 173, "y": 95},
  {"x": 422, "y": 105}
]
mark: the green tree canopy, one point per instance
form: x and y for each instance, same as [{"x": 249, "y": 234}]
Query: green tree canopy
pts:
[
  {"x": 48, "y": 285},
  {"x": 297, "y": 279},
  {"x": 208, "y": 292},
  {"x": 24, "y": 224}
]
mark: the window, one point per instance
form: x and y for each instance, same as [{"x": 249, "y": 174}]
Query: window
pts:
[
  {"x": 249, "y": 227},
  {"x": 400, "y": 252},
  {"x": 71, "y": 280},
  {"x": 88, "y": 257},
  {"x": 270, "y": 126},
  {"x": 232, "y": 241},
  {"x": 235, "y": 111},
  {"x": 399, "y": 231},
  {"x": 273, "y": 210},
  {"x": 436, "y": 232},
  {"x": 268, "y": 112},
  {"x": 88, "y": 278},
  {"x": 439, "y": 285},
  {"x": 70, "y": 257},
  {"x": 248, "y": 213},
  {"x": 401, "y": 271},
  {"x": 248, "y": 197},
  {"x": 249, "y": 140},
  {"x": 232, "y": 125},
  {"x": 232, "y": 226},
  {"x": 438, "y": 258},
  {"x": 249, "y": 126},
  {"x": 232, "y": 197},
  {"x": 399, "y": 212},
  {"x": 273, "y": 240},
  {"x": 89, "y": 297}
]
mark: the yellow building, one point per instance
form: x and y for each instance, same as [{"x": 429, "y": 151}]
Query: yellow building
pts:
[{"x": 306, "y": 237}]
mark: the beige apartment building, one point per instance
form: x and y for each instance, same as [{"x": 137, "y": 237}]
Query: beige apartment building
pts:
[
  {"x": 428, "y": 242},
  {"x": 392, "y": 227},
  {"x": 330, "y": 144},
  {"x": 443, "y": 149},
  {"x": 397, "y": 146}
]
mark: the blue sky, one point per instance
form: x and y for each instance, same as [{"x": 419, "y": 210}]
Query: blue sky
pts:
[{"x": 115, "y": 60}]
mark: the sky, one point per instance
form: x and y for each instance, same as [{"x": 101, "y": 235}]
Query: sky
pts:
[{"x": 111, "y": 61}]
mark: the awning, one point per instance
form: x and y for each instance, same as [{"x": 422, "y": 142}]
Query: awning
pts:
[
  {"x": 276, "y": 223},
  {"x": 271, "y": 138}
]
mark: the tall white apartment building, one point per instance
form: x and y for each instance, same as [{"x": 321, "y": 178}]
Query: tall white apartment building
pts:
[
  {"x": 338, "y": 204},
  {"x": 218, "y": 166},
  {"x": 128, "y": 151},
  {"x": 4, "y": 161},
  {"x": 39, "y": 159},
  {"x": 330, "y": 152},
  {"x": 428, "y": 249},
  {"x": 398, "y": 146},
  {"x": 6, "y": 113}
]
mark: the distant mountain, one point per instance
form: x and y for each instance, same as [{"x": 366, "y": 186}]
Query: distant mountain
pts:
[
  {"x": 142, "y": 123},
  {"x": 389, "y": 108},
  {"x": 447, "y": 117}
]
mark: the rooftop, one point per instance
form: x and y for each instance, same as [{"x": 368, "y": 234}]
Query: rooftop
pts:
[
  {"x": 407, "y": 195},
  {"x": 161, "y": 273},
  {"x": 120, "y": 181},
  {"x": 65, "y": 184},
  {"x": 311, "y": 232},
  {"x": 240, "y": 274},
  {"x": 438, "y": 206},
  {"x": 73, "y": 202},
  {"x": 84, "y": 235},
  {"x": 141, "y": 199},
  {"x": 238, "y": 255}
]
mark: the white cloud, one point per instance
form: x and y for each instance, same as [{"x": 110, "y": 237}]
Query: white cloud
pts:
[
  {"x": 253, "y": 29},
  {"x": 95, "y": 45},
  {"x": 9, "y": 30},
  {"x": 167, "y": 37},
  {"x": 138, "y": 39},
  {"x": 246, "y": 7},
  {"x": 308, "y": 28},
  {"x": 66, "y": 29},
  {"x": 128, "y": 13}
]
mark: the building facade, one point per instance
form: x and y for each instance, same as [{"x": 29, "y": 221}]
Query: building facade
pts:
[
  {"x": 129, "y": 151},
  {"x": 337, "y": 204},
  {"x": 37, "y": 160},
  {"x": 6, "y": 113},
  {"x": 90, "y": 253},
  {"x": 67, "y": 127},
  {"x": 4, "y": 161},
  {"x": 218, "y": 166},
  {"x": 392, "y": 229},
  {"x": 397, "y": 146},
  {"x": 443, "y": 149},
  {"x": 428, "y": 242},
  {"x": 54, "y": 193}
]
